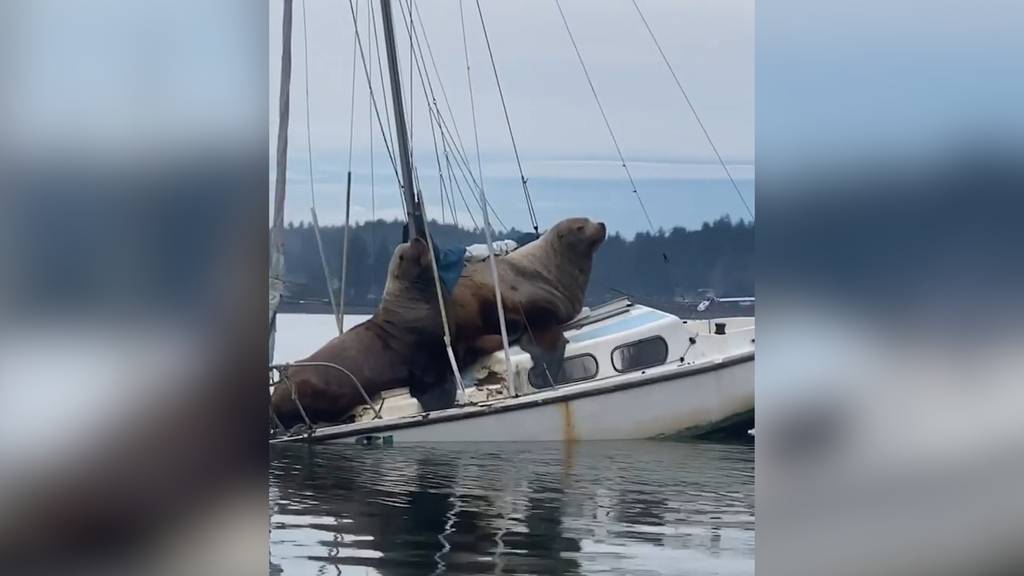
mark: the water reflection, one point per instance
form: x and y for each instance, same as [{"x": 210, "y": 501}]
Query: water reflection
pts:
[{"x": 586, "y": 508}]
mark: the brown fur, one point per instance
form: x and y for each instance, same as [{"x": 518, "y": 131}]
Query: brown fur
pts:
[
  {"x": 400, "y": 345},
  {"x": 544, "y": 282}
]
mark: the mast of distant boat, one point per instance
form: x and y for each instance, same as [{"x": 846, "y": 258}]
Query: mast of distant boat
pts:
[{"x": 277, "y": 228}]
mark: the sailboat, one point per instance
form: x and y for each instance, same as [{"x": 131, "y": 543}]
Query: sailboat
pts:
[{"x": 629, "y": 371}]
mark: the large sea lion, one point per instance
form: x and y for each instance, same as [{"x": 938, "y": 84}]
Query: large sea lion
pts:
[
  {"x": 401, "y": 345},
  {"x": 542, "y": 288}
]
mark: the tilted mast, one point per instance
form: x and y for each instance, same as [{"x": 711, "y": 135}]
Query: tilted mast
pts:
[{"x": 414, "y": 212}]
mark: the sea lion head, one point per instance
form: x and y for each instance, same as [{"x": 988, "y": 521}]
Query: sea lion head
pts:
[
  {"x": 578, "y": 236},
  {"x": 410, "y": 269}
]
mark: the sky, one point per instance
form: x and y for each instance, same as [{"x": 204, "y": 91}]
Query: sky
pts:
[{"x": 568, "y": 156}]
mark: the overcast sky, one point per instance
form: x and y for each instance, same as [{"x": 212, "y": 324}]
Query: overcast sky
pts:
[{"x": 567, "y": 153}]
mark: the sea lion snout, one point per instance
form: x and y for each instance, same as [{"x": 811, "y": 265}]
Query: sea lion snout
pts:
[
  {"x": 580, "y": 234},
  {"x": 419, "y": 251},
  {"x": 595, "y": 233}
]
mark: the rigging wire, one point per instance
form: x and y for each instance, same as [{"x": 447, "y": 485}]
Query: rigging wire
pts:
[
  {"x": 471, "y": 183},
  {"x": 511, "y": 377},
  {"x": 453, "y": 180},
  {"x": 373, "y": 99},
  {"x": 348, "y": 185},
  {"x": 431, "y": 99},
  {"x": 607, "y": 124},
  {"x": 312, "y": 188},
  {"x": 352, "y": 95},
  {"x": 305, "y": 77},
  {"x": 433, "y": 64},
  {"x": 451, "y": 194},
  {"x": 693, "y": 109},
  {"x": 383, "y": 84},
  {"x": 437, "y": 157},
  {"x": 457, "y": 144},
  {"x": 412, "y": 89},
  {"x": 373, "y": 193},
  {"x": 508, "y": 123},
  {"x": 458, "y": 187},
  {"x": 466, "y": 170}
]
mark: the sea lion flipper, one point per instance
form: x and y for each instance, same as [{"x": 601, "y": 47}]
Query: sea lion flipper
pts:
[{"x": 547, "y": 350}]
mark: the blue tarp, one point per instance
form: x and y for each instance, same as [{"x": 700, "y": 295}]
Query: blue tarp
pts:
[{"x": 450, "y": 263}]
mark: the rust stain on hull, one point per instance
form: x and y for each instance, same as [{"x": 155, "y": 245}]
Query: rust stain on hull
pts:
[{"x": 568, "y": 425}]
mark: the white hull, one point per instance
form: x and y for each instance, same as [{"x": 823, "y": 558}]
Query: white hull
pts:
[{"x": 658, "y": 402}]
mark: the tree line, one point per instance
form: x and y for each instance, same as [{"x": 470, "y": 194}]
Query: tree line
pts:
[{"x": 679, "y": 263}]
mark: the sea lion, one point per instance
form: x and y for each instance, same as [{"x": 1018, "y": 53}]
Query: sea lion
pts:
[
  {"x": 542, "y": 288},
  {"x": 401, "y": 345}
]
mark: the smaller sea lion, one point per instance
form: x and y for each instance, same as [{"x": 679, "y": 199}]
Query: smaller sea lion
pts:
[{"x": 401, "y": 345}]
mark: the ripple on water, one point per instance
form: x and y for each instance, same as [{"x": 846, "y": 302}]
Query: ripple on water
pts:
[{"x": 587, "y": 508}]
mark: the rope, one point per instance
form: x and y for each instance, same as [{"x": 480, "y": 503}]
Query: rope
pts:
[
  {"x": 441, "y": 305},
  {"x": 362, "y": 391},
  {"x": 295, "y": 398},
  {"x": 607, "y": 124},
  {"x": 508, "y": 123},
  {"x": 522, "y": 313},
  {"x": 693, "y": 109}
]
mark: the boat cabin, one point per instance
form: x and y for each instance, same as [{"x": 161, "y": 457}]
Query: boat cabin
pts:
[{"x": 616, "y": 340}]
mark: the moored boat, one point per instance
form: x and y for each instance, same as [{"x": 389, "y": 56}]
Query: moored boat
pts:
[{"x": 629, "y": 372}]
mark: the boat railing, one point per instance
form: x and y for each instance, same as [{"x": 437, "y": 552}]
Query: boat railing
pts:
[{"x": 283, "y": 369}]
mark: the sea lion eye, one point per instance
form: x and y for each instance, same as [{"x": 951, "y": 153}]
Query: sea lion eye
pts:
[
  {"x": 401, "y": 257},
  {"x": 579, "y": 228}
]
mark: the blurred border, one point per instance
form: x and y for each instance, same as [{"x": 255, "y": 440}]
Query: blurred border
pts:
[
  {"x": 889, "y": 139},
  {"x": 133, "y": 299}
]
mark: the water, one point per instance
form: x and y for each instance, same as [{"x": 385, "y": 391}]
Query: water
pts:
[{"x": 533, "y": 508}]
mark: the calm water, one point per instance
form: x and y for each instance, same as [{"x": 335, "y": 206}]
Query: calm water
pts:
[{"x": 591, "y": 508}]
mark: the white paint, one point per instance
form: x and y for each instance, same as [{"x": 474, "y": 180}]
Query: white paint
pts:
[{"x": 702, "y": 383}]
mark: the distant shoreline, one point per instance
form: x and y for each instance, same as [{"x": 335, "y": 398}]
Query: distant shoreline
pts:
[{"x": 316, "y": 307}]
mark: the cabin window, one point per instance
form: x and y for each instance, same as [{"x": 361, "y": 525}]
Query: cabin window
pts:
[
  {"x": 574, "y": 369},
  {"x": 640, "y": 354}
]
